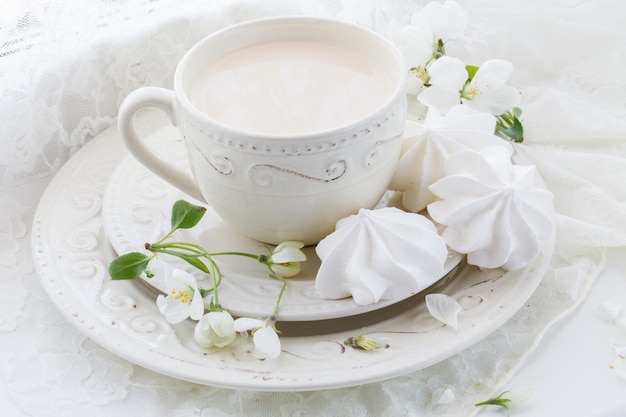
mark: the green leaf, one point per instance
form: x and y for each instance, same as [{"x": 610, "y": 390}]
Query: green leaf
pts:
[
  {"x": 195, "y": 262},
  {"x": 509, "y": 126},
  {"x": 128, "y": 266},
  {"x": 186, "y": 215},
  {"x": 471, "y": 71},
  {"x": 515, "y": 132}
]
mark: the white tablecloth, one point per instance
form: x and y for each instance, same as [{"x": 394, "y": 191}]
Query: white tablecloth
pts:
[
  {"x": 570, "y": 370},
  {"x": 61, "y": 85}
]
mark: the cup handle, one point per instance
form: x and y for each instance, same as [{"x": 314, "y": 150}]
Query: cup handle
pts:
[{"x": 162, "y": 99}]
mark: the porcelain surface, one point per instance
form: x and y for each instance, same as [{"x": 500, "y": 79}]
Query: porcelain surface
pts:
[
  {"x": 72, "y": 253},
  {"x": 136, "y": 210},
  {"x": 282, "y": 186}
]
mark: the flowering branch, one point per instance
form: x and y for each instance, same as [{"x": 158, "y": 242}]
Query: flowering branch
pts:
[
  {"x": 441, "y": 81},
  {"x": 216, "y": 328}
]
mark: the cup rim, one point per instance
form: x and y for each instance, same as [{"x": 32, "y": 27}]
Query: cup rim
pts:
[{"x": 399, "y": 89}]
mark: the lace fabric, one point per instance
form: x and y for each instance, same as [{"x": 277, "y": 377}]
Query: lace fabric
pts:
[{"x": 65, "y": 68}]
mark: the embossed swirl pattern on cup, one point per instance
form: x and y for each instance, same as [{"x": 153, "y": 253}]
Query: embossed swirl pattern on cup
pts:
[
  {"x": 304, "y": 147},
  {"x": 364, "y": 149}
]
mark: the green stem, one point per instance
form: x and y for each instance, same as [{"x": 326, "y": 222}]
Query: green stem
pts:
[
  {"x": 193, "y": 250},
  {"x": 216, "y": 274},
  {"x": 167, "y": 235},
  {"x": 200, "y": 251},
  {"x": 280, "y": 295},
  {"x": 166, "y": 251},
  {"x": 191, "y": 247},
  {"x": 259, "y": 258}
]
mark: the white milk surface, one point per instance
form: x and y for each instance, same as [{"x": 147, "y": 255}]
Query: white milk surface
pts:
[{"x": 291, "y": 87}]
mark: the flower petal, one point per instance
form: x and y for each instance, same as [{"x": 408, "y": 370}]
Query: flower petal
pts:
[
  {"x": 496, "y": 101},
  {"x": 215, "y": 328},
  {"x": 160, "y": 270},
  {"x": 266, "y": 343},
  {"x": 443, "y": 395},
  {"x": 518, "y": 395},
  {"x": 196, "y": 306},
  {"x": 182, "y": 279},
  {"x": 447, "y": 77},
  {"x": 288, "y": 254},
  {"x": 244, "y": 324},
  {"x": 493, "y": 71},
  {"x": 438, "y": 98},
  {"x": 488, "y": 90},
  {"x": 286, "y": 270},
  {"x": 609, "y": 312},
  {"x": 447, "y": 20},
  {"x": 175, "y": 312},
  {"x": 444, "y": 308},
  {"x": 448, "y": 73},
  {"x": 415, "y": 45}
]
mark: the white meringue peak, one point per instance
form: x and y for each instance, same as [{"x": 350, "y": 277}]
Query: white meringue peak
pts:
[
  {"x": 492, "y": 210},
  {"x": 380, "y": 254},
  {"x": 423, "y": 155}
]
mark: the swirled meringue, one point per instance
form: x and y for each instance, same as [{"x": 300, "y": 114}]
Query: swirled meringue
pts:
[
  {"x": 380, "y": 254},
  {"x": 423, "y": 155},
  {"x": 492, "y": 210}
]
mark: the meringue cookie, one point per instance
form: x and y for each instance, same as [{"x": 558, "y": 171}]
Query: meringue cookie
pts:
[
  {"x": 380, "y": 254},
  {"x": 423, "y": 155},
  {"x": 492, "y": 210}
]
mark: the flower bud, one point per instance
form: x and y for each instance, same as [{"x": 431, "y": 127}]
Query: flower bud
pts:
[{"x": 215, "y": 329}]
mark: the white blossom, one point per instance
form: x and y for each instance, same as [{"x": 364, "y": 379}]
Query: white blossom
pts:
[
  {"x": 447, "y": 20},
  {"x": 160, "y": 271},
  {"x": 215, "y": 329},
  {"x": 183, "y": 299},
  {"x": 415, "y": 45},
  {"x": 447, "y": 77},
  {"x": 422, "y": 41},
  {"x": 284, "y": 260},
  {"x": 487, "y": 91},
  {"x": 264, "y": 336}
]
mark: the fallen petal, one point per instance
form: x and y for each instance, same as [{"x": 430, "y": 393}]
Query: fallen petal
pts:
[
  {"x": 444, "y": 308},
  {"x": 609, "y": 312},
  {"x": 443, "y": 396}
]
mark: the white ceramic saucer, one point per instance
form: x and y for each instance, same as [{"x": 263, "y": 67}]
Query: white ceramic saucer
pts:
[
  {"x": 137, "y": 207},
  {"x": 71, "y": 255}
]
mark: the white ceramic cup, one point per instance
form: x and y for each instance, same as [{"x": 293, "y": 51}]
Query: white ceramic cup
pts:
[{"x": 281, "y": 186}]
